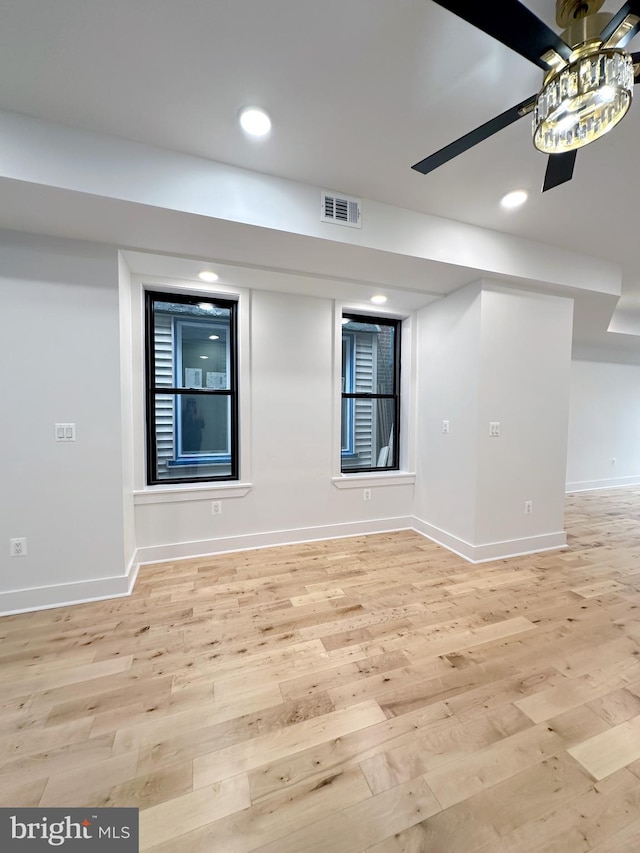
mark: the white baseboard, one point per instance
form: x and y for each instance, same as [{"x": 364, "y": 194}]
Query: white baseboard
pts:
[
  {"x": 610, "y": 483},
  {"x": 270, "y": 539},
  {"x": 491, "y": 550},
  {"x": 82, "y": 592},
  {"x": 66, "y": 594}
]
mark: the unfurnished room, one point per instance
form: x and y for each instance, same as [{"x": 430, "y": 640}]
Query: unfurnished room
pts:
[{"x": 320, "y": 492}]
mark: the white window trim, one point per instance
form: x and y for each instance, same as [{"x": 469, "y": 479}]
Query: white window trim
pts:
[
  {"x": 406, "y": 474},
  {"x": 189, "y": 491},
  {"x": 358, "y": 481}
]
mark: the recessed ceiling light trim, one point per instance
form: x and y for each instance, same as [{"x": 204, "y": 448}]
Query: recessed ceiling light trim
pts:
[
  {"x": 208, "y": 275},
  {"x": 255, "y": 121},
  {"x": 378, "y": 299},
  {"x": 514, "y": 199}
]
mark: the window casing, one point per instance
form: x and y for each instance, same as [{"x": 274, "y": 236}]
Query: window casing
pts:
[
  {"x": 191, "y": 389},
  {"x": 370, "y": 424}
]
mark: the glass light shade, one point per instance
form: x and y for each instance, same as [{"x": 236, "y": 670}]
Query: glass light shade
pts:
[{"x": 583, "y": 101}]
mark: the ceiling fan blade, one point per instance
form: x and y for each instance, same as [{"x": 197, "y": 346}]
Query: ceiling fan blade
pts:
[
  {"x": 512, "y": 24},
  {"x": 625, "y": 36},
  {"x": 474, "y": 137},
  {"x": 559, "y": 169}
]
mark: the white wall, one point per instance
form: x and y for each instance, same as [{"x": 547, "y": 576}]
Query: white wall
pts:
[
  {"x": 72, "y": 350},
  {"x": 290, "y": 495},
  {"x": 127, "y": 382},
  {"x": 604, "y": 425},
  {"x": 72, "y": 344},
  {"x": 448, "y": 387},
  {"x": 60, "y": 357},
  {"x": 491, "y": 354},
  {"x": 94, "y": 166},
  {"x": 525, "y": 360}
]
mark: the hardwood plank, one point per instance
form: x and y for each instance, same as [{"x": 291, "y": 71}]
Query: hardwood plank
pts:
[
  {"x": 609, "y": 751},
  {"x": 28, "y": 741},
  {"x": 21, "y": 795},
  {"x": 205, "y": 739},
  {"x": 363, "y": 824},
  {"x": 577, "y": 691},
  {"x": 82, "y": 787},
  {"x": 532, "y": 793},
  {"x": 314, "y": 764},
  {"x": 437, "y": 745},
  {"x": 70, "y": 674},
  {"x": 484, "y": 767},
  {"x": 319, "y": 690},
  {"x": 579, "y": 824},
  {"x": 459, "y": 829},
  {"x": 70, "y": 757},
  {"x": 277, "y": 745},
  {"x": 617, "y": 706},
  {"x": 190, "y": 811},
  {"x": 623, "y": 841},
  {"x": 278, "y": 816}
]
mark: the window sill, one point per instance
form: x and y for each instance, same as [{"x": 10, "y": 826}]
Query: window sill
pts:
[
  {"x": 357, "y": 481},
  {"x": 189, "y": 492}
]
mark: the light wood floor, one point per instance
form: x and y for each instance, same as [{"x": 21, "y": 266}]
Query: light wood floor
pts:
[{"x": 370, "y": 694}]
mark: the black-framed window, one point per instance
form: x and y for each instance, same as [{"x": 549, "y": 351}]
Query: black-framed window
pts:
[
  {"x": 191, "y": 388},
  {"x": 370, "y": 393}
]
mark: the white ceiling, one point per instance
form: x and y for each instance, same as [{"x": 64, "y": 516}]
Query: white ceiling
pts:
[{"x": 358, "y": 91}]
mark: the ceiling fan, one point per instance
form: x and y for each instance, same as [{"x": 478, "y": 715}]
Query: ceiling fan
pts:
[{"x": 588, "y": 81}]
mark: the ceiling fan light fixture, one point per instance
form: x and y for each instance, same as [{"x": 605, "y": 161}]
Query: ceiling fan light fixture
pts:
[
  {"x": 607, "y": 94},
  {"x": 583, "y": 101}
]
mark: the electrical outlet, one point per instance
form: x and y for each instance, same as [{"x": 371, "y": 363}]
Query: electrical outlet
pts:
[
  {"x": 366, "y": 494},
  {"x": 18, "y": 547},
  {"x": 494, "y": 429},
  {"x": 528, "y": 507},
  {"x": 445, "y": 426},
  {"x": 216, "y": 507}
]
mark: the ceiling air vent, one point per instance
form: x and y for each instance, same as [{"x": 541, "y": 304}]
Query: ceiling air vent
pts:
[{"x": 342, "y": 210}]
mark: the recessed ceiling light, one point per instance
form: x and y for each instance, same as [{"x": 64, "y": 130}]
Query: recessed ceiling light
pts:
[
  {"x": 379, "y": 299},
  {"x": 208, "y": 275},
  {"x": 514, "y": 199},
  {"x": 214, "y": 337},
  {"x": 255, "y": 121}
]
